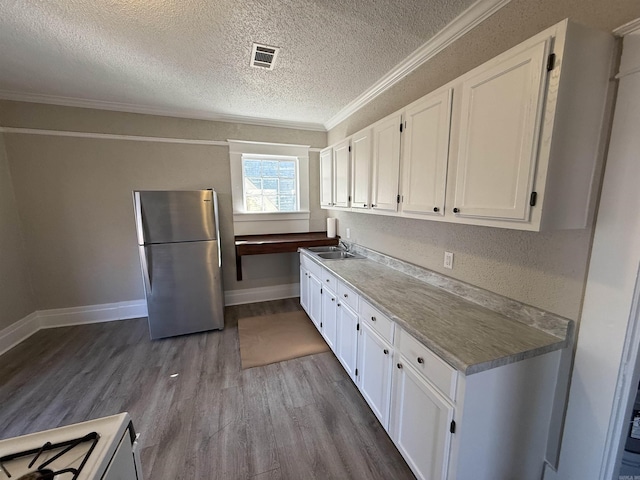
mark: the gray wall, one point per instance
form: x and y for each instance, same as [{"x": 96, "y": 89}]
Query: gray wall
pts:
[
  {"x": 16, "y": 296},
  {"x": 74, "y": 196},
  {"x": 546, "y": 270}
]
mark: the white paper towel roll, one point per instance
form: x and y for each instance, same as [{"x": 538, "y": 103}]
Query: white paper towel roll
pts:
[{"x": 331, "y": 227}]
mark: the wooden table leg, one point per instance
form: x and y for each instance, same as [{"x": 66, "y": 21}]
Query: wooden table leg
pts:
[{"x": 238, "y": 267}]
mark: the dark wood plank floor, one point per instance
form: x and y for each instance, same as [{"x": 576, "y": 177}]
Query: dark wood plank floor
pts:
[{"x": 300, "y": 419}]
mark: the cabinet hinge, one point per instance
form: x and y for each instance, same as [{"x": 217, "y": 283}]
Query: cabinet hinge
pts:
[
  {"x": 356, "y": 372},
  {"x": 452, "y": 427},
  {"x": 398, "y": 199},
  {"x": 357, "y": 326},
  {"x": 533, "y": 198},
  {"x": 551, "y": 62}
]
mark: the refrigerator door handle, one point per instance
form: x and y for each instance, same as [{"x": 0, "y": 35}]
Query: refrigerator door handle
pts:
[
  {"x": 138, "y": 208},
  {"x": 217, "y": 225},
  {"x": 144, "y": 253}
]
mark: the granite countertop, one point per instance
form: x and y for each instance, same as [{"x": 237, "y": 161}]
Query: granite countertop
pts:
[{"x": 468, "y": 336}]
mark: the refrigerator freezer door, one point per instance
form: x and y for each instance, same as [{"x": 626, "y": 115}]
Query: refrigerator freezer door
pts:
[
  {"x": 178, "y": 216},
  {"x": 183, "y": 288}
]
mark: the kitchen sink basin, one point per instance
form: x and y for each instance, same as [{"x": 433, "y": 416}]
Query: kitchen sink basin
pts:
[
  {"x": 338, "y": 255},
  {"x": 326, "y": 248}
]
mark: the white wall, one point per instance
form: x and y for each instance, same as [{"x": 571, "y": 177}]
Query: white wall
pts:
[
  {"x": 73, "y": 196},
  {"x": 610, "y": 287},
  {"x": 16, "y": 296}
]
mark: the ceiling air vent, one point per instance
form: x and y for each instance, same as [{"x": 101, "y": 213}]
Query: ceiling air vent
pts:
[{"x": 263, "y": 56}]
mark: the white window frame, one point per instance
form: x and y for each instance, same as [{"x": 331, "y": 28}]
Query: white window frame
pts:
[
  {"x": 255, "y": 223},
  {"x": 247, "y": 156}
]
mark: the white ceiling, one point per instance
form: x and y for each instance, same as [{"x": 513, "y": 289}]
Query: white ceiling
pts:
[{"x": 191, "y": 57}]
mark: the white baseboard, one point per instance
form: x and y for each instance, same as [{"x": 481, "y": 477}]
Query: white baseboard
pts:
[
  {"x": 261, "y": 294},
  {"x": 108, "y": 312},
  {"x": 18, "y": 331},
  {"x": 61, "y": 317}
]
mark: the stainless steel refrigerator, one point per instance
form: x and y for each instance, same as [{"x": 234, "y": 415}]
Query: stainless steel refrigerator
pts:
[{"x": 178, "y": 241}]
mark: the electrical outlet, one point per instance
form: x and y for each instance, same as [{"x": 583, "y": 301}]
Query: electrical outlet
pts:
[
  {"x": 448, "y": 260},
  {"x": 348, "y": 232}
]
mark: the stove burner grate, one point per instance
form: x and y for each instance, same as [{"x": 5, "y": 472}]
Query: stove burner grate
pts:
[{"x": 42, "y": 472}]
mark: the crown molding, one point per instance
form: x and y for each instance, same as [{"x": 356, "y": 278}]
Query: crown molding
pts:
[
  {"x": 110, "y": 136},
  {"x": 135, "y": 138},
  {"x": 462, "y": 24},
  {"x": 164, "y": 112},
  {"x": 630, "y": 27}
]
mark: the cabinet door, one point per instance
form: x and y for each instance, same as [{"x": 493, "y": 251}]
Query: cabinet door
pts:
[
  {"x": 498, "y": 140},
  {"x": 347, "y": 339},
  {"x": 326, "y": 177},
  {"x": 361, "y": 169},
  {"x": 425, "y": 154},
  {"x": 315, "y": 300},
  {"x": 375, "y": 362},
  {"x": 420, "y": 423},
  {"x": 341, "y": 167},
  {"x": 304, "y": 288},
  {"x": 386, "y": 164},
  {"x": 328, "y": 324}
]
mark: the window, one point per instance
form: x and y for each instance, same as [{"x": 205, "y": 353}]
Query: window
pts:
[
  {"x": 270, "y": 184},
  {"x": 269, "y": 187}
]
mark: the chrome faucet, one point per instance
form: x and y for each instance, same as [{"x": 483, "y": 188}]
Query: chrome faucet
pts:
[{"x": 344, "y": 245}]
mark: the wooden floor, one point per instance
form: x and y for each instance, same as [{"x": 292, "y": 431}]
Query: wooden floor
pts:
[{"x": 300, "y": 419}]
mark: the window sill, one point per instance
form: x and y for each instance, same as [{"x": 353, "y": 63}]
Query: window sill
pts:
[
  {"x": 270, "y": 216},
  {"x": 270, "y": 222}
]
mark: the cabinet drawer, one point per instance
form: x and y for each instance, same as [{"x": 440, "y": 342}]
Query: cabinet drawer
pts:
[
  {"x": 329, "y": 280},
  {"x": 377, "y": 320},
  {"x": 310, "y": 265},
  {"x": 432, "y": 367},
  {"x": 348, "y": 296}
]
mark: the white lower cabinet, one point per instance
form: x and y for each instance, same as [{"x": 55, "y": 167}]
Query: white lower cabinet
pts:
[
  {"x": 420, "y": 423},
  {"x": 375, "y": 364},
  {"x": 502, "y": 415},
  {"x": 315, "y": 300},
  {"x": 329, "y": 317},
  {"x": 304, "y": 288},
  {"x": 347, "y": 338}
]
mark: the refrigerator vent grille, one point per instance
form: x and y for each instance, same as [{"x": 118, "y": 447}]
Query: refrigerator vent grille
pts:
[{"x": 263, "y": 56}]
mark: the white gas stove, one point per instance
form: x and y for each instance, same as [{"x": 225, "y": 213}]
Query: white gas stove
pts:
[{"x": 101, "y": 449}]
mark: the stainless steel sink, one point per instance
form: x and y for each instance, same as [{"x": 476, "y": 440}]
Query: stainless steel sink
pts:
[
  {"x": 338, "y": 255},
  {"x": 327, "y": 248}
]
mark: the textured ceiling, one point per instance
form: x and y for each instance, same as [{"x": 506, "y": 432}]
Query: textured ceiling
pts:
[{"x": 193, "y": 55}]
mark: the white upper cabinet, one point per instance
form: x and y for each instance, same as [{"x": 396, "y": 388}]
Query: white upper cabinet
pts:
[
  {"x": 335, "y": 178},
  {"x": 361, "y": 169},
  {"x": 498, "y": 143},
  {"x": 341, "y": 169},
  {"x": 326, "y": 177},
  {"x": 425, "y": 154},
  {"x": 386, "y": 163},
  {"x": 526, "y": 133},
  {"x": 514, "y": 143}
]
